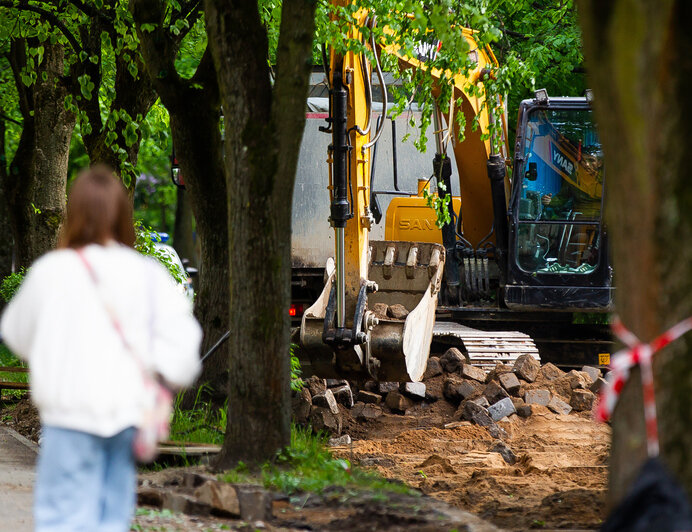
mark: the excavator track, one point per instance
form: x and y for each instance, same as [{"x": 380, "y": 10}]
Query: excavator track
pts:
[{"x": 485, "y": 348}]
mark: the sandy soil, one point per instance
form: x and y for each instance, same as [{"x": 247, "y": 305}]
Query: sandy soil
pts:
[{"x": 559, "y": 480}]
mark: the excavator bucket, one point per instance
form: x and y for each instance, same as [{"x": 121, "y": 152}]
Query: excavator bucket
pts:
[{"x": 392, "y": 343}]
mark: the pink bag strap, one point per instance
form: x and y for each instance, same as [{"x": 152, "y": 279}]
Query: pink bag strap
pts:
[
  {"x": 111, "y": 314},
  {"x": 146, "y": 375}
]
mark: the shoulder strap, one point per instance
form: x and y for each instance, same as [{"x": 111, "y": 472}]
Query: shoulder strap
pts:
[{"x": 109, "y": 310}]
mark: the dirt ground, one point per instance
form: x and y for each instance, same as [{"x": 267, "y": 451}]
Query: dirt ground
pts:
[{"x": 558, "y": 482}]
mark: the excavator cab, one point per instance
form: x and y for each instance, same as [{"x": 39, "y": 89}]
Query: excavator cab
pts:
[{"x": 557, "y": 255}]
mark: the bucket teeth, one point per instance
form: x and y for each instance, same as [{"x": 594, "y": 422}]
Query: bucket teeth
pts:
[
  {"x": 389, "y": 258},
  {"x": 411, "y": 262},
  {"x": 402, "y": 276},
  {"x": 434, "y": 263}
]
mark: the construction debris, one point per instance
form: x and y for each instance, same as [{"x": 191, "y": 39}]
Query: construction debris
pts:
[{"x": 506, "y": 391}]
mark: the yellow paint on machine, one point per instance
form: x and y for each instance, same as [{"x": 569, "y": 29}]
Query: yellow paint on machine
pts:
[
  {"x": 471, "y": 155},
  {"x": 411, "y": 220}
]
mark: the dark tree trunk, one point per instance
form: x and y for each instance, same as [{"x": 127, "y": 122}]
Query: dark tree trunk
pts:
[
  {"x": 263, "y": 132},
  {"x": 198, "y": 147},
  {"x": 36, "y": 181},
  {"x": 195, "y": 115},
  {"x": 640, "y": 65},
  {"x": 183, "y": 237},
  {"x": 133, "y": 96}
]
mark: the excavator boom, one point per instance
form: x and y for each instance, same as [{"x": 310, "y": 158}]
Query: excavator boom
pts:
[{"x": 376, "y": 313}]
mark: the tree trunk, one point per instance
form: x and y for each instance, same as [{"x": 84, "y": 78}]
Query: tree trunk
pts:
[
  {"x": 638, "y": 59},
  {"x": 36, "y": 180},
  {"x": 195, "y": 128},
  {"x": 133, "y": 96},
  {"x": 183, "y": 237},
  {"x": 194, "y": 110},
  {"x": 263, "y": 132}
]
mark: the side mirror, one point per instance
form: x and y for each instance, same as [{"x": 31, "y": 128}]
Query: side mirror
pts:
[
  {"x": 532, "y": 173},
  {"x": 192, "y": 272}
]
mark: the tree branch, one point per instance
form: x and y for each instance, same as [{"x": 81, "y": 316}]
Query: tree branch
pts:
[
  {"x": 516, "y": 34},
  {"x": 158, "y": 47},
  {"x": 90, "y": 10},
  {"x": 3, "y": 116},
  {"x": 51, "y": 17},
  {"x": 17, "y": 58}
]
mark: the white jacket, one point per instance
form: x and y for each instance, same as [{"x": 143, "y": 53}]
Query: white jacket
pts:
[{"x": 82, "y": 377}]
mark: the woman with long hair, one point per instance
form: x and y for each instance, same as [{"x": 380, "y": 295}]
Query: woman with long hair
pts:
[{"x": 93, "y": 319}]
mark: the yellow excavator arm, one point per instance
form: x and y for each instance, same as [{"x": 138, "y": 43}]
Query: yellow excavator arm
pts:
[{"x": 376, "y": 313}]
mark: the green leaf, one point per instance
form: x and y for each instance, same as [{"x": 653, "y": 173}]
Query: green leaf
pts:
[{"x": 132, "y": 69}]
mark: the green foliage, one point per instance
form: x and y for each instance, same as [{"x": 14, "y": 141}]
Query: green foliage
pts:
[
  {"x": 440, "y": 204},
  {"x": 145, "y": 243},
  {"x": 7, "y": 358},
  {"x": 535, "y": 46},
  {"x": 307, "y": 465},
  {"x": 12, "y": 376},
  {"x": 296, "y": 371},
  {"x": 191, "y": 50},
  {"x": 11, "y": 284},
  {"x": 102, "y": 58}
]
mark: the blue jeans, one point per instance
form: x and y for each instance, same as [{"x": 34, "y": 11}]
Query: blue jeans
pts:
[{"x": 84, "y": 482}]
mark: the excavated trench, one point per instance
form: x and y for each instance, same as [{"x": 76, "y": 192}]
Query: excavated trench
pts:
[{"x": 547, "y": 470}]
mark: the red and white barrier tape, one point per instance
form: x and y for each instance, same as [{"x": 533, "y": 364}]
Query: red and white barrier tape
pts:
[{"x": 621, "y": 362}]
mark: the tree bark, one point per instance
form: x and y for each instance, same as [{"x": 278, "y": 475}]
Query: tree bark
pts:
[
  {"x": 194, "y": 109},
  {"x": 639, "y": 64},
  {"x": 263, "y": 131},
  {"x": 132, "y": 95},
  {"x": 183, "y": 236},
  {"x": 36, "y": 181}
]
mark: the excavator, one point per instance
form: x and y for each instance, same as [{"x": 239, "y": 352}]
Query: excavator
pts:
[{"x": 523, "y": 247}]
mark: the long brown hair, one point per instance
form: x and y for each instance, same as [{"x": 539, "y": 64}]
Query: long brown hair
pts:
[{"x": 98, "y": 210}]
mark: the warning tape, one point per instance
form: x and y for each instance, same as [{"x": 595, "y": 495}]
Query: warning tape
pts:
[{"x": 640, "y": 354}]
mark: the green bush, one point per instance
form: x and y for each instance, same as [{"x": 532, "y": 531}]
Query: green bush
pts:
[
  {"x": 10, "y": 285},
  {"x": 144, "y": 243}
]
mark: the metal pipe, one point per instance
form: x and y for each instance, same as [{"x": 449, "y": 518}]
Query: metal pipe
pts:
[
  {"x": 487, "y": 275},
  {"x": 213, "y": 349},
  {"x": 340, "y": 278},
  {"x": 395, "y": 166},
  {"x": 383, "y": 85}
]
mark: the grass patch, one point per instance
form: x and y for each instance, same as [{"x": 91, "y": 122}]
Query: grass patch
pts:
[
  {"x": 7, "y": 358},
  {"x": 307, "y": 465},
  {"x": 11, "y": 376},
  {"x": 203, "y": 423}
]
